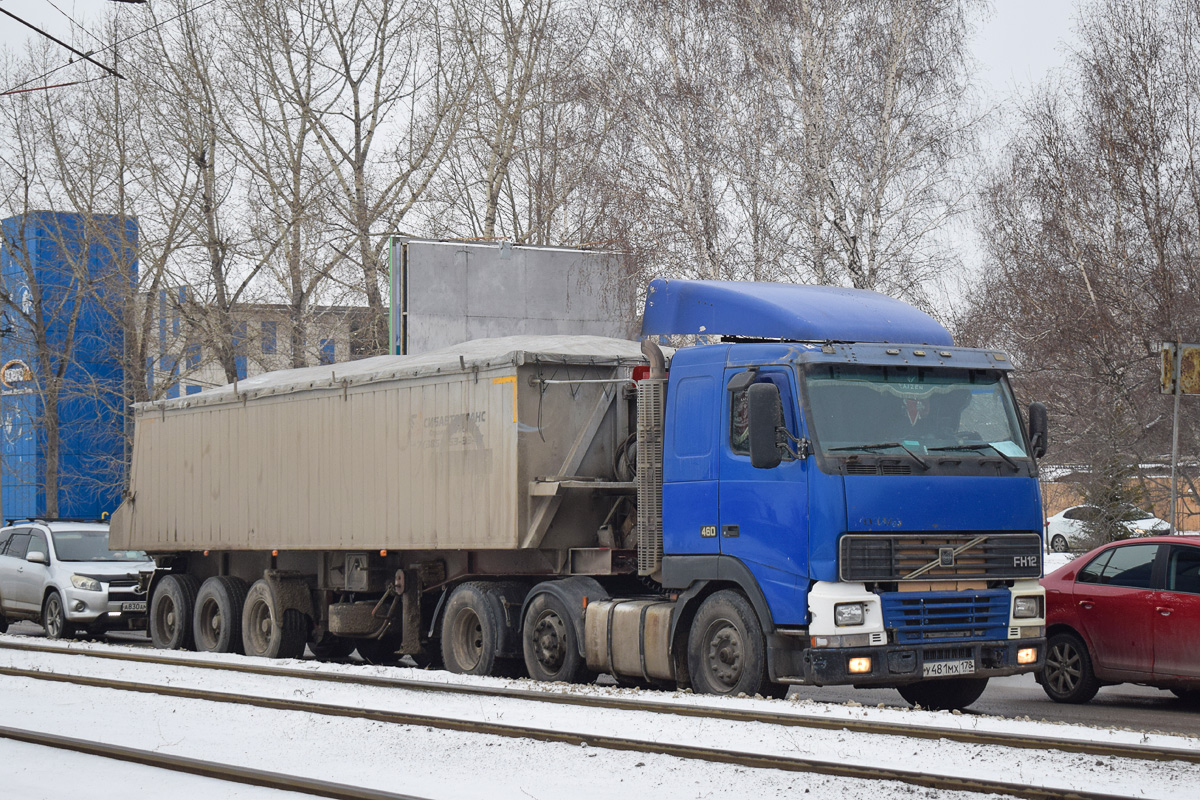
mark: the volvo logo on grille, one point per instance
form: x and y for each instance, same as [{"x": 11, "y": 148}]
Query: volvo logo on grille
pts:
[{"x": 946, "y": 556}]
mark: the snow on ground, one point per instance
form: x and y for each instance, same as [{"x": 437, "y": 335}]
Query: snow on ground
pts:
[
  {"x": 443, "y": 764},
  {"x": 31, "y": 772}
]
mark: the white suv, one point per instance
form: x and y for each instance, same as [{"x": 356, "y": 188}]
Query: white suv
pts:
[{"x": 62, "y": 575}]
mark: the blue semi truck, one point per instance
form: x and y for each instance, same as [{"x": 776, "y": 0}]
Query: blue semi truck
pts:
[{"x": 820, "y": 489}]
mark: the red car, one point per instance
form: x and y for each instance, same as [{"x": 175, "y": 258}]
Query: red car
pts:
[{"x": 1126, "y": 612}]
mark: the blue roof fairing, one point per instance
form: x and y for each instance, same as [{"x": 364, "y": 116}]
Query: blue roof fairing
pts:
[{"x": 785, "y": 311}]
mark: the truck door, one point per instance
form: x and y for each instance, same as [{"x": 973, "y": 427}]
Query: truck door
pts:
[{"x": 764, "y": 512}]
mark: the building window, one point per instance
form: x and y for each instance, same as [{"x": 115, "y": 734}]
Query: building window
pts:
[
  {"x": 239, "y": 350},
  {"x": 268, "y": 337},
  {"x": 327, "y": 351}
]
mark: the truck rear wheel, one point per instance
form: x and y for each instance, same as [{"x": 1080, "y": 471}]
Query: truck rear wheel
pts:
[
  {"x": 549, "y": 642},
  {"x": 171, "y": 612},
  {"x": 727, "y": 652},
  {"x": 268, "y": 632},
  {"x": 217, "y": 621},
  {"x": 473, "y": 631},
  {"x": 944, "y": 695}
]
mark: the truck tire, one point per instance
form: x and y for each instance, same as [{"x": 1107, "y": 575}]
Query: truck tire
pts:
[
  {"x": 268, "y": 633},
  {"x": 727, "y": 652},
  {"x": 54, "y": 618},
  {"x": 944, "y": 695},
  {"x": 473, "y": 631},
  {"x": 217, "y": 620},
  {"x": 1067, "y": 675},
  {"x": 549, "y": 642},
  {"x": 171, "y": 612}
]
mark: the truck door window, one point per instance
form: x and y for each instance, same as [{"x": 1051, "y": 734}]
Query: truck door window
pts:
[{"x": 739, "y": 417}]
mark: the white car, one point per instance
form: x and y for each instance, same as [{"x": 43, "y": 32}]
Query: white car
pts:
[
  {"x": 63, "y": 576},
  {"x": 1065, "y": 530}
]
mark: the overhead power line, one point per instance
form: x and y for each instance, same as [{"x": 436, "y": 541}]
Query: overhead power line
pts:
[
  {"x": 16, "y": 89},
  {"x": 61, "y": 43}
]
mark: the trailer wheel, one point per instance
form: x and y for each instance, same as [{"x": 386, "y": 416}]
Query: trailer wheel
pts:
[
  {"x": 727, "y": 652},
  {"x": 171, "y": 612},
  {"x": 266, "y": 632},
  {"x": 217, "y": 621},
  {"x": 548, "y": 639},
  {"x": 471, "y": 630},
  {"x": 944, "y": 695}
]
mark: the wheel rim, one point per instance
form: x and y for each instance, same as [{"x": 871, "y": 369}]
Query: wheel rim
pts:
[
  {"x": 211, "y": 624},
  {"x": 550, "y": 641},
  {"x": 725, "y": 654},
  {"x": 467, "y": 641},
  {"x": 54, "y": 621},
  {"x": 165, "y": 616},
  {"x": 1058, "y": 544},
  {"x": 260, "y": 625},
  {"x": 1064, "y": 668}
]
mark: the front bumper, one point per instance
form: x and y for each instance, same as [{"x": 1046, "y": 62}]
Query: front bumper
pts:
[
  {"x": 896, "y": 665},
  {"x": 100, "y": 609}
]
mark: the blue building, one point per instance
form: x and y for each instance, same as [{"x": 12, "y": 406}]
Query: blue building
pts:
[{"x": 67, "y": 277}]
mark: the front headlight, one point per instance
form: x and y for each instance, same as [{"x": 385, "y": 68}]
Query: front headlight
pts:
[
  {"x": 848, "y": 614},
  {"x": 85, "y": 583},
  {"x": 1027, "y": 607}
]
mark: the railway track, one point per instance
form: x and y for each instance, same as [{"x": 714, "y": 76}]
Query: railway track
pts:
[
  {"x": 781, "y": 718},
  {"x": 229, "y": 773}
]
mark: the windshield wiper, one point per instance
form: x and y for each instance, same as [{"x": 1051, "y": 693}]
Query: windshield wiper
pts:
[
  {"x": 979, "y": 446},
  {"x": 882, "y": 446}
]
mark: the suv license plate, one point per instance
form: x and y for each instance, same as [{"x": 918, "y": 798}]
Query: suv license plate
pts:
[
  {"x": 134, "y": 605},
  {"x": 942, "y": 669}
]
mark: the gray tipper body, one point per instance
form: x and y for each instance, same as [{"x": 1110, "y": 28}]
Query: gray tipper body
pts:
[{"x": 462, "y": 448}]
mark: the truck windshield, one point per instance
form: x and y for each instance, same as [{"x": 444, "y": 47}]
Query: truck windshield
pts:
[
  {"x": 856, "y": 410},
  {"x": 90, "y": 546}
]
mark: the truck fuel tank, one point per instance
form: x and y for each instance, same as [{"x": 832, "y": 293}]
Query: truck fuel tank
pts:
[{"x": 630, "y": 638}]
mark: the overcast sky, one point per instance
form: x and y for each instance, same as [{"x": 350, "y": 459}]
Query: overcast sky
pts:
[{"x": 1016, "y": 46}]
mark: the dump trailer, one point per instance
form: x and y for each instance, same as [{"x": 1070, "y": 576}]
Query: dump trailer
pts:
[{"x": 821, "y": 489}]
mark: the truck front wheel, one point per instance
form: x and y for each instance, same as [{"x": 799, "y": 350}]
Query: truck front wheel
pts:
[
  {"x": 548, "y": 641},
  {"x": 944, "y": 695},
  {"x": 727, "y": 653},
  {"x": 171, "y": 612}
]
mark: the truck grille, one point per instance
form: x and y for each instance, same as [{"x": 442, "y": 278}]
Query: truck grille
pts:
[
  {"x": 940, "y": 556},
  {"x": 853, "y": 468},
  {"x": 946, "y": 615}
]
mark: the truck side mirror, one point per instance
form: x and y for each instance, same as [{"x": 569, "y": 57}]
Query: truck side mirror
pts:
[
  {"x": 764, "y": 410},
  {"x": 1039, "y": 430}
]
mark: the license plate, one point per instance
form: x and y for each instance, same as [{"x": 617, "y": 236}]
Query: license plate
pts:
[
  {"x": 134, "y": 605},
  {"x": 942, "y": 669}
]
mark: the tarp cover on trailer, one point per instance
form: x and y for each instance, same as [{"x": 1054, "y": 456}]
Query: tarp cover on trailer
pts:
[{"x": 479, "y": 354}]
